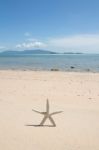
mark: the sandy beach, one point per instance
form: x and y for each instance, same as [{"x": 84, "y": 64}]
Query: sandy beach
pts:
[{"x": 76, "y": 94}]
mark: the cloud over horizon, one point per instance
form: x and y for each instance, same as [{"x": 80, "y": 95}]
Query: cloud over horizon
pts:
[
  {"x": 72, "y": 43},
  {"x": 2, "y": 47},
  {"x": 31, "y": 43},
  {"x": 82, "y": 42}
]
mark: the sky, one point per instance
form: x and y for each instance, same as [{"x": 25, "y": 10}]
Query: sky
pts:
[{"x": 56, "y": 25}]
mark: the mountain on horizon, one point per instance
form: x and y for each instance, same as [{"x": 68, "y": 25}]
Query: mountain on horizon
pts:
[{"x": 24, "y": 52}]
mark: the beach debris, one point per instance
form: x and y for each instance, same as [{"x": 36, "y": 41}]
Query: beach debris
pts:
[
  {"x": 72, "y": 67},
  {"x": 47, "y": 115},
  {"x": 54, "y": 69},
  {"x": 88, "y": 70}
]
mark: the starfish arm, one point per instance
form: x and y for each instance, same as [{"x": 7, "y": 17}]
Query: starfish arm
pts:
[
  {"x": 37, "y": 111},
  {"x": 57, "y": 112},
  {"x": 47, "y": 106},
  {"x": 52, "y": 121},
  {"x": 43, "y": 121}
]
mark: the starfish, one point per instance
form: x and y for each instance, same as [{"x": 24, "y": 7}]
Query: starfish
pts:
[{"x": 47, "y": 115}]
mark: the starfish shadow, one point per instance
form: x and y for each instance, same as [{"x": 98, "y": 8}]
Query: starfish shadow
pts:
[{"x": 35, "y": 125}]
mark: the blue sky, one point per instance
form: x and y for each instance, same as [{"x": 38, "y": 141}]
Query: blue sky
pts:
[{"x": 58, "y": 25}]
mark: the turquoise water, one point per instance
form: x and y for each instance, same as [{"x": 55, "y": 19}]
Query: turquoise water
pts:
[{"x": 67, "y": 62}]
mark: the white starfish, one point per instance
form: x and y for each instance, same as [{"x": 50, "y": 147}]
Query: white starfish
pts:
[{"x": 47, "y": 115}]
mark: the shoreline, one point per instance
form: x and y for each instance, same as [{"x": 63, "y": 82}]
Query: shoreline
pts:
[{"x": 51, "y": 70}]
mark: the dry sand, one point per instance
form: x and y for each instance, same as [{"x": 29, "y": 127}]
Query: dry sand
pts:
[{"x": 76, "y": 94}]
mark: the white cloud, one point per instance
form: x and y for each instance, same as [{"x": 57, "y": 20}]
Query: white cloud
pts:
[
  {"x": 2, "y": 47},
  {"x": 27, "y": 34},
  {"x": 18, "y": 46},
  {"x": 84, "y": 43},
  {"x": 30, "y": 45},
  {"x": 31, "y": 40}
]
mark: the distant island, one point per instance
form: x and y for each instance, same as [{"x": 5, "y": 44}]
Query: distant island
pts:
[
  {"x": 12, "y": 52},
  {"x": 31, "y": 52},
  {"x": 73, "y": 53}
]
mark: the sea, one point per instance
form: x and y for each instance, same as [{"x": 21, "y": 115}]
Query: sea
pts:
[{"x": 51, "y": 62}]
